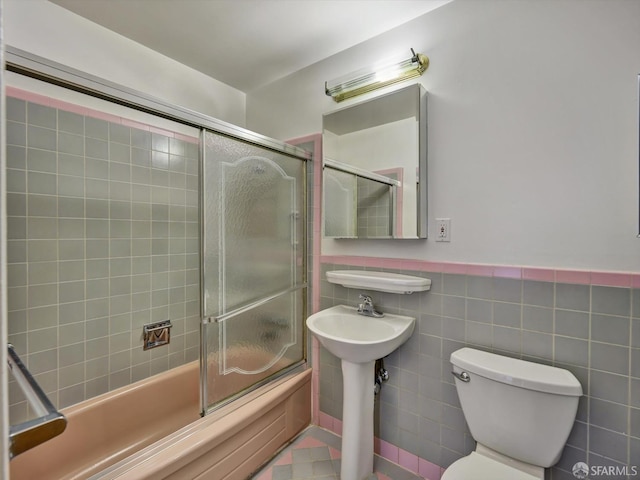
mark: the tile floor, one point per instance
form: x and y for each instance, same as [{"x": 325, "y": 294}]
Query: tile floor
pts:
[{"x": 315, "y": 455}]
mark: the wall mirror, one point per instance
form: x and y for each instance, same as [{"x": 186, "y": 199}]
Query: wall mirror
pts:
[{"x": 375, "y": 167}]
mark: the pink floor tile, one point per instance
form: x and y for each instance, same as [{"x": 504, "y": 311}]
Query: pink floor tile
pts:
[
  {"x": 266, "y": 475},
  {"x": 309, "y": 442},
  {"x": 335, "y": 454},
  {"x": 382, "y": 476},
  {"x": 286, "y": 459}
]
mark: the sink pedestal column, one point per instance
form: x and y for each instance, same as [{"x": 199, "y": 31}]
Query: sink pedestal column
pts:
[{"x": 357, "y": 420}]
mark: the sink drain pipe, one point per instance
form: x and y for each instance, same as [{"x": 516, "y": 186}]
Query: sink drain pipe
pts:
[{"x": 380, "y": 375}]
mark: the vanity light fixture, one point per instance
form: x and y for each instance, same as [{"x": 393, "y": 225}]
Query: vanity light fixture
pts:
[{"x": 369, "y": 79}]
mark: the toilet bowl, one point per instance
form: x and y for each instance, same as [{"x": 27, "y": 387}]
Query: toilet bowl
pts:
[{"x": 520, "y": 414}]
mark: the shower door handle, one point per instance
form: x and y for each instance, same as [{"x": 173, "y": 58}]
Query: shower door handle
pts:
[{"x": 294, "y": 223}]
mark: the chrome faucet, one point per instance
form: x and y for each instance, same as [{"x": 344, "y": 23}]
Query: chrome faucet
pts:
[{"x": 367, "y": 308}]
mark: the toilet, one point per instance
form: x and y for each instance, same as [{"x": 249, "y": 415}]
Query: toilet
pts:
[{"x": 520, "y": 414}]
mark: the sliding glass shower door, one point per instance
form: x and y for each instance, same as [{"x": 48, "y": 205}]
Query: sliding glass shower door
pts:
[{"x": 254, "y": 287}]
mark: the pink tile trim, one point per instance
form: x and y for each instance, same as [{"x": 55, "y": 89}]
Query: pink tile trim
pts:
[
  {"x": 540, "y": 274},
  {"x": 89, "y": 112},
  {"x": 325, "y": 421},
  {"x": 408, "y": 460},
  {"x": 480, "y": 270},
  {"x": 455, "y": 268},
  {"x": 107, "y": 117},
  {"x": 161, "y": 131},
  {"x": 611, "y": 279},
  {"x": 507, "y": 272},
  {"x": 337, "y": 426},
  {"x": 133, "y": 124},
  {"x": 28, "y": 96},
  {"x": 573, "y": 276},
  {"x": 581, "y": 277},
  {"x": 316, "y": 138},
  {"x": 186, "y": 138},
  {"x": 428, "y": 470},
  {"x": 389, "y": 451},
  {"x": 413, "y": 463}
]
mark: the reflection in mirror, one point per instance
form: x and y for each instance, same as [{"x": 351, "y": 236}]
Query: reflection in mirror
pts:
[{"x": 375, "y": 167}]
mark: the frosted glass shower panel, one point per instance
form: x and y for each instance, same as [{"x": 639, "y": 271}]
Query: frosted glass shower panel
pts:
[
  {"x": 254, "y": 265},
  {"x": 253, "y": 223},
  {"x": 257, "y": 218},
  {"x": 244, "y": 349}
]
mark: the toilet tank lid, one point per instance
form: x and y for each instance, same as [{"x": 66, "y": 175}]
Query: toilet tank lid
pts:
[{"x": 519, "y": 373}]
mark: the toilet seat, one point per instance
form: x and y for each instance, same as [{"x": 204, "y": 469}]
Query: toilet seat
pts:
[{"x": 479, "y": 467}]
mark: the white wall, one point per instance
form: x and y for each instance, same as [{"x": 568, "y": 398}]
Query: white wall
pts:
[
  {"x": 48, "y": 30},
  {"x": 533, "y": 130}
]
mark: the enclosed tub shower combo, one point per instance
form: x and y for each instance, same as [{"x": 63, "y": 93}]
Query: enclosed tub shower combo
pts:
[{"x": 157, "y": 265}]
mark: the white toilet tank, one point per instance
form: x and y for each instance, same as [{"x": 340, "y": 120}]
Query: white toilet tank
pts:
[{"x": 521, "y": 409}]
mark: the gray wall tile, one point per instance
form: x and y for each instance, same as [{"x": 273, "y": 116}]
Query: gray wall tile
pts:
[
  {"x": 72, "y": 237},
  {"x": 507, "y": 314},
  {"x": 611, "y": 300},
  {"x": 507, "y": 290},
  {"x": 608, "y": 443},
  {"x": 479, "y": 310},
  {"x": 537, "y": 319},
  {"x": 573, "y": 297},
  {"x": 538, "y": 293},
  {"x": 610, "y": 329},
  {"x": 571, "y": 323},
  {"x": 610, "y": 358}
]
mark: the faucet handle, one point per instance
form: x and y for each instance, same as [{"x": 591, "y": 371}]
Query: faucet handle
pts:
[{"x": 367, "y": 299}]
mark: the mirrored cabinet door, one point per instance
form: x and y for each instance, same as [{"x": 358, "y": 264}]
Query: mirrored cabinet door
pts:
[{"x": 375, "y": 167}]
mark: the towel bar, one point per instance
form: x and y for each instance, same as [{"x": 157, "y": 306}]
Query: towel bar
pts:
[{"x": 50, "y": 422}]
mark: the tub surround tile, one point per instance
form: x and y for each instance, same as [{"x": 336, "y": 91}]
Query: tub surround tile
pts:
[{"x": 85, "y": 244}]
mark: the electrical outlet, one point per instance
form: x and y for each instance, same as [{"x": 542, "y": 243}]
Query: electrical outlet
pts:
[{"x": 443, "y": 229}]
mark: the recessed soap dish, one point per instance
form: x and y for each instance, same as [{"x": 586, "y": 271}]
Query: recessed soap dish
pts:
[{"x": 379, "y": 281}]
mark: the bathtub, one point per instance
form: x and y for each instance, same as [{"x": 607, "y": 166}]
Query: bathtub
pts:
[{"x": 152, "y": 430}]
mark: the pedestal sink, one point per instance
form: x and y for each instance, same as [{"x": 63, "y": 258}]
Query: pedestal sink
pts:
[{"x": 358, "y": 341}]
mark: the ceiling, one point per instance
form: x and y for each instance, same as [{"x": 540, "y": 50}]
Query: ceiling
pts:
[{"x": 249, "y": 43}]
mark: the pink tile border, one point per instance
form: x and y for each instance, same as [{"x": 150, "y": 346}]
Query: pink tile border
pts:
[
  {"x": 90, "y": 112},
  {"x": 580, "y": 277},
  {"x": 407, "y": 460},
  {"x": 540, "y": 274},
  {"x": 611, "y": 279},
  {"x": 428, "y": 470},
  {"x": 389, "y": 451},
  {"x": 573, "y": 276}
]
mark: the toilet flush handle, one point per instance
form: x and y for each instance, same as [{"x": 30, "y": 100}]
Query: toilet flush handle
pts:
[{"x": 462, "y": 376}]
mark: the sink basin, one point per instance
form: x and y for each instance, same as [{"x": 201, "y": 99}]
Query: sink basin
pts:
[
  {"x": 358, "y": 341},
  {"x": 357, "y": 338}
]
